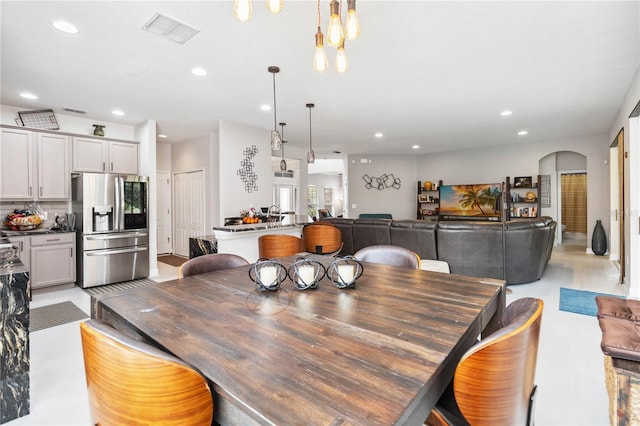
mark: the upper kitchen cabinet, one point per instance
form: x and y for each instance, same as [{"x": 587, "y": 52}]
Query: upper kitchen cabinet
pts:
[
  {"x": 35, "y": 165},
  {"x": 104, "y": 156}
]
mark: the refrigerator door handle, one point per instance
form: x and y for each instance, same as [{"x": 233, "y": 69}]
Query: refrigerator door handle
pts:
[
  {"x": 119, "y": 203},
  {"x": 116, "y": 236},
  {"x": 115, "y": 251}
]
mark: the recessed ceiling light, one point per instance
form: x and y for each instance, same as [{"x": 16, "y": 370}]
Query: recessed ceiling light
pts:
[
  {"x": 162, "y": 136},
  {"x": 522, "y": 133},
  {"x": 28, "y": 95},
  {"x": 117, "y": 112},
  {"x": 378, "y": 135},
  {"x": 415, "y": 147},
  {"x": 65, "y": 27},
  {"x": 200, "y": 72},
  {"x": 265, "y": 107},
  {"x": 506, "y": 113}
]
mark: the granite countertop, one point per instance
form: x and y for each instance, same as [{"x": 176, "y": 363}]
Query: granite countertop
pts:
[
  {"x": 38, "y": 231},
  {"x": 9, "y": 261},
  {"x": 297, "y": 222}
]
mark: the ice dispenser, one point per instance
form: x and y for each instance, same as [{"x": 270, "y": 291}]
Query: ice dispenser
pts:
[{"x": 102, "y": 218}]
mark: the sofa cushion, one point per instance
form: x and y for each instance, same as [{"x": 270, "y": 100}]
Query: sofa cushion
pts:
[
  {"x": 370, "y": 232},
  {"x": 416, "y": 235}
]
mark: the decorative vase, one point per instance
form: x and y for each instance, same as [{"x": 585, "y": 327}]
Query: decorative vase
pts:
[
  {"x": 599, "y": 239},
  {"x": 99, "y": 130},
  {"x": 427, "y": 186}
]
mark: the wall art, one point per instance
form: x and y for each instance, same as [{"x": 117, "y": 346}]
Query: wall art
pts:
[
  {"x": 246, "y": 171},
  {"x": 383, "y": 182}
]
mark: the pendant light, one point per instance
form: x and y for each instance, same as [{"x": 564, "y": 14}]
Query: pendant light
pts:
[
  {"x": 311, "y": 156},
  {"x": 276, "y": 140},
  {"x": 320, "y": 57},
  {"x": 334, "y": 30},
  {"x": 352, "y": 26},
  {"x": 275, "y": 6},
  {"x": 342, "y": 63},
  {"x": 283, "y": 163},
  {"x": 242, "y": 10}
]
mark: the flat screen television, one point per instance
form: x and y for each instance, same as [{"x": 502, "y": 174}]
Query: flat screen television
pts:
[{"x": 480, "y": 200}]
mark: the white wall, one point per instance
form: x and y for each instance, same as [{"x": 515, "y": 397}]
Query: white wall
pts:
[
  {"x": 234, "y": 197},
  {"x": 401, "y": 203},
  {"x": 163, "y": 157},
  {"x": 631, "y": 182}
]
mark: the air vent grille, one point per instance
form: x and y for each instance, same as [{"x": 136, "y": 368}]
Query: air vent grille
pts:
[
  {"x": 77, "y": 111},
  {"x": 169, "y": 28}
]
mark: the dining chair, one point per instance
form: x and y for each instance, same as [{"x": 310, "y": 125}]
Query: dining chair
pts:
[
  {"x": 322, "y": 238},
  {"x": 435, "y": 266},
  {"x": 131, "y": 382},
  {"x": 277, "y": 245},
  {"x": 209, "y": 263},
  {"x": 389, "y": 255},
  {"x": 494, "y": 381}
]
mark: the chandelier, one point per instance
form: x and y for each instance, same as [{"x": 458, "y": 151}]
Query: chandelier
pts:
[{"x": 337, "y": 33}]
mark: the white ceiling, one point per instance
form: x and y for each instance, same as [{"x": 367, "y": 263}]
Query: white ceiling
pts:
[{"x": 436, "y": 74}]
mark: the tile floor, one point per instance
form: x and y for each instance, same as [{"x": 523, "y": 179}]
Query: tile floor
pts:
[{"x": 570, "y": 379}]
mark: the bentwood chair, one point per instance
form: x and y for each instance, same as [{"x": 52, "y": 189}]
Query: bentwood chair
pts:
[
  {"x": 132, "y": 383},
  {"x": 389, "y": 255},
  {"x": 494, "y": 381},
  {"x": 209, "y": 263},
  {"x": 322, "y": 238},
  {"x": 277, "y": 245}
]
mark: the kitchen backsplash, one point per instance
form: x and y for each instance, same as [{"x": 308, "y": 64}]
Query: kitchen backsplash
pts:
[{"x": 52, "y": 208}]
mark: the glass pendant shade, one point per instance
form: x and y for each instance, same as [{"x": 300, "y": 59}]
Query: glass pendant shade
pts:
[
  {"x": 276, "y": 140},
  {"x": 320, "y": 61},
  {"x": 334, "y": 31},
  {"x": 283, "y": 163},
  {"x": 311, "y": 156},
  {"x": 352, "y": 26},
  {"x": 342, "y": 63},
  {"x": 242, "y": 10}
]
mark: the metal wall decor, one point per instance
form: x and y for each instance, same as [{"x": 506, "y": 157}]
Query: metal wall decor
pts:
[
  {"x": 246, "y": 170},
  {"x": 383, "y": 182}
]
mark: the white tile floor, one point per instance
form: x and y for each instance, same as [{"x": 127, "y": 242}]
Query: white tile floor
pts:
[{"x": 571, "y": 389}]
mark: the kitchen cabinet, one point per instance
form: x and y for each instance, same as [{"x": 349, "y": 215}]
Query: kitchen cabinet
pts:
[
  {"x": 104, "y": 156},
  {"x": 23, "y": 248},
  {"x": 35, "y": 165},
  {"x": 53, "y": 259}
]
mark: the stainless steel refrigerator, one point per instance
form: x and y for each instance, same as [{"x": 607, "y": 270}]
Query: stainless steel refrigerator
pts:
[{"x": 112, "y": 222}]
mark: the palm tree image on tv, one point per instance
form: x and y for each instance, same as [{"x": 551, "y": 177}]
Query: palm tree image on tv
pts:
[{"x": 469, "y": 200}]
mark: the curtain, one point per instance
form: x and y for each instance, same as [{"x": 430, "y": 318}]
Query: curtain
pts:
[{"x": 574, "y": 202}]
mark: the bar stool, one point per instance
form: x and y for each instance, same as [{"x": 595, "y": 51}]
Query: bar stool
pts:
[
  {"x": 322, "y": 238},
  {"x": 272, "y": 246}
]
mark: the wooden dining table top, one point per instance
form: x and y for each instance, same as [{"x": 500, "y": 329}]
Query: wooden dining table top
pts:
[{"x": 381, "y": 353}]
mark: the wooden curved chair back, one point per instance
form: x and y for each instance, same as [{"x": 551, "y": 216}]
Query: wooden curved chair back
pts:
[
  {"x": 389, "y": 255},
  {"x": 209, "y": 263},
  {"x": 272, "y": 246},
  {"x": 132, "y": 383},
  {"x": 494, "y": 380},
  {"x": 326, "y": 237}
]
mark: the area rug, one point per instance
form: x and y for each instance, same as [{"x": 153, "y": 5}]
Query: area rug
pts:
[
  {"x": 94, "y": 291},
  {"x": 172, "y": 260},
  {"x": 53, "y": 315},
  {"x": 580, "y": 301}
]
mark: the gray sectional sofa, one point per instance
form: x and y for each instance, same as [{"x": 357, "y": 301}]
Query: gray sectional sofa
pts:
[{"x": 517, "y": 251}]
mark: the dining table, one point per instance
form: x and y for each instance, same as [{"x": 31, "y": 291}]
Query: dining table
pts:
[{"x": 381, "y": 353}]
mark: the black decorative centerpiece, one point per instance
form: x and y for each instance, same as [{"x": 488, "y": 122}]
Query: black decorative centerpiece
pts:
[
  {"x": 306, "y": 273},
  {"x": 344, "y": 271},
  {"x": 268, "y": 274}
]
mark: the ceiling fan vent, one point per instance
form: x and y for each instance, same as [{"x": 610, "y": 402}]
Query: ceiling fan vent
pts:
[{"x": 169, "y": 28}]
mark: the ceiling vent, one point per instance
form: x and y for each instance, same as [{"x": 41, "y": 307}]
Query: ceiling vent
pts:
[
  {"x": 77, "y": 111},
  {"x": 169, "y": 28}
]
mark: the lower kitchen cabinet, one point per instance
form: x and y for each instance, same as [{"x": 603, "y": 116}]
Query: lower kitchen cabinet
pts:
[
  {"x": 23, "y": 249},
  {"x": 53, "y": 260}
]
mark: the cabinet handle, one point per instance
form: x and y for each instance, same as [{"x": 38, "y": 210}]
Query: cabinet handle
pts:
[
  {"x": 53, "y": 239},
  {"x": 41, "y": 191},
  {"x": 70, "y": 252},
  {"x": 30, "y": 191},
  {"x": 103, "y": 166},
  {"x": 112, "y": 166},
  {"x": 21, "y": 246}
]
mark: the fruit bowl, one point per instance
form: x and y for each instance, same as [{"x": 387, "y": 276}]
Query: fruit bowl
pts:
[{"x": 23, "y": 223}]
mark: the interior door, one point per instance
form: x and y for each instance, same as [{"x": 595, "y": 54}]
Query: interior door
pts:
[
  {"x": 163, "y": 184},
  {"x": 188, "y": 209}
]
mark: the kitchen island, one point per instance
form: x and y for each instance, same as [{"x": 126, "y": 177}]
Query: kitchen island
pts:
[
  {"x": 243, "y": 239},
  {"x": 14, "y": 321}
]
